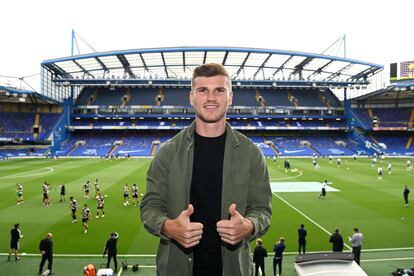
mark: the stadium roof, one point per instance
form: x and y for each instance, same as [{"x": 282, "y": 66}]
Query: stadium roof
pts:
[
  {"x": 250, "y": 64},
  {"x": 14, "y": 95},
  {"x": 395, "y": 92}
]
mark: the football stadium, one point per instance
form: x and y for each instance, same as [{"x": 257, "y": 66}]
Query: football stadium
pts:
[{"x": 322, "y": 122}]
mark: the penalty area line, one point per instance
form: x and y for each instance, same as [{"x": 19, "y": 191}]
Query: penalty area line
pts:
[
  {"x": 307, "y": 217},
  {"x": 387, "y": 259}
]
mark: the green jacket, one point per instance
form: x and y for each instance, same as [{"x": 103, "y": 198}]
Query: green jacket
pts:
[{"x": 245, "y": 182}]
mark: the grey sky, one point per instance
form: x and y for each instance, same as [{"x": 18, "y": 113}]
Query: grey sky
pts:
[{"x": 32, "y": 31}]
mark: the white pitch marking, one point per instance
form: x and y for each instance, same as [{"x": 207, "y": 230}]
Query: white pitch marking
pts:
[
  {"x": 388, "y": 259},
  {"x": 288, "y": 177},
  {"x": 25, "y": 174},
  {"x": 308, "y": 218}
]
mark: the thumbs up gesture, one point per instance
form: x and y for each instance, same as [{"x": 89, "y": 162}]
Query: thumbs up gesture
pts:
[
  {"x": 181, "y": 229},
  {"x": 234, "y": 229}
]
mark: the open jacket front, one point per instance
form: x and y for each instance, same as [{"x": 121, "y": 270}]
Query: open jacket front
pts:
[{"x": 245, "y": 182}]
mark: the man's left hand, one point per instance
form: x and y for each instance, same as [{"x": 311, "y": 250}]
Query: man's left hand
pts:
[{"x": 235, "y": 229}]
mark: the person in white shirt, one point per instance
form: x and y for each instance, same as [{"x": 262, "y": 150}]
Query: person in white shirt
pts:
[
  {"x": 374, "y": 162},
  {"x": 356, "y": 241},
  {"x": 379, "y": 170}
]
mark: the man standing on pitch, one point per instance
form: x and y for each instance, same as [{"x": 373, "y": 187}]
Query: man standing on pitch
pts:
[
  {"x": 337, "y": 241},
  {"x": 405, "y": 193},
  {"x": 208, "y": 192},
  {"x": 302, "y": 233},
  {"x": 356, "y": 241},
  {"x": 110, "y": 247},
  {"x": 16, "y": 235},
  {"x": 46, "y": 248},
  {"x": 278, "y": 258},
  {"x": 259, "y": 256}
]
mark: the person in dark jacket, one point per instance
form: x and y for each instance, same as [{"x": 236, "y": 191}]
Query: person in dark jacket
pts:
[
  {"x": 302, "y": 233},
  {"x": 277, "y": 260},
  {"x": 110, "y": 247},
  {"x": 208, "y": 192},
  {"x": 406, "y": 192},
  {"x": 16, "y": 235},
  {"x": 46, "y": 248},
  {"x": 337, "y": 241},
  {"x": 259, "y": 256}
]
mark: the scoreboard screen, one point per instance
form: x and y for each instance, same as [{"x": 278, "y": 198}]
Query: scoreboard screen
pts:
[{"x": 400, "y": 71}]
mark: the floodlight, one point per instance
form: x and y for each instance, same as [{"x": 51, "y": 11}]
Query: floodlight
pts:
[{"x": 274, "y": 84}]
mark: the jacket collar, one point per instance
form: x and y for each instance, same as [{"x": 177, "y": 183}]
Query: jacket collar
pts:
[{"x": 231, "y": 135}]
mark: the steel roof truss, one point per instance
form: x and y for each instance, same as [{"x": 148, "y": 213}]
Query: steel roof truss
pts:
[
  {"x": 165, "y": 65},
  {"x": 102, "y": 64},
  {"x": 364, "y": 74},
  {"x": 320, "y": 69},
  {"x": 339, "y": 72},
  {"x": 262, "y": 66},
  {"x": 57, "y": 70},
  {"x": 86, "y": 72},
  {"x": 300, "y": 66},
  {"x": 184, "y": 66},
  {"x": 225, "y": 58},
  {"x": 205, "y": 57},
  {"x": 143, "y": 62},
  {"x": 282, "y": 66},
  {"x": 242, "y": 65},
  {"x": 126, "y": 65}
]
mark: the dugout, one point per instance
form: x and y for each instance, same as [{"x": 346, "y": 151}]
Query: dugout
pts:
[{"x": 324, "y": 264}]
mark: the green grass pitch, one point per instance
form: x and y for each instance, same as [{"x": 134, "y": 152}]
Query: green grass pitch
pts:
[{"x": 375, "y": 206}]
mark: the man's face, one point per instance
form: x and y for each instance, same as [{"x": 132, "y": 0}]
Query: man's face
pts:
[{"x": 210, "y": 98}]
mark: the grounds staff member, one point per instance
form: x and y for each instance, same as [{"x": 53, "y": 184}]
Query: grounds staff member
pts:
[
  {"x": 110, "y": 247},
  {"x": 46, "y": 248},
  {"x": 208, "y": 192}
]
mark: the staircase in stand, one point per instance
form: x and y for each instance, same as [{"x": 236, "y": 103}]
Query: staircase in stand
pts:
[
  {"x": 73, "y": 149},
  {"x": 155, "y": 146},
  {"x": 409, "y": 142}
]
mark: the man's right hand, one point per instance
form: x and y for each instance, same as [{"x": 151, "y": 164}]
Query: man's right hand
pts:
[{"x": 186, "y": 233}]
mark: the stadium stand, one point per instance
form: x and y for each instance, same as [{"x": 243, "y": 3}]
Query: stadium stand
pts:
[
  {"x": 109, "y": 115},
  {"x": 387, "y": 117},
  {"x": 27, "y": 126}
]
